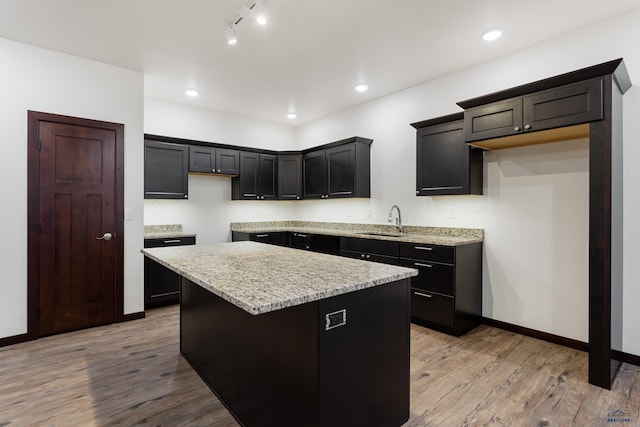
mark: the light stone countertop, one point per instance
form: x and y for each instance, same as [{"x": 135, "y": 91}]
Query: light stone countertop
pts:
[
  {"x": 446, "y": 236},
  {"x": 260, "y": 278},
  {"x": 165, "y": 231}
]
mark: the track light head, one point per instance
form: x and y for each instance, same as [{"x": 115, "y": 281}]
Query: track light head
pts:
[{"x": 231, "y": 35}]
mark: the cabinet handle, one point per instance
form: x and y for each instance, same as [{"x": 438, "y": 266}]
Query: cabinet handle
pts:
[
  {"x": 173, "y": 241},
  {"x": 297, "y": 197},
  {"x": 302, "y": 235},
  {"x": 419, "y": 264},
  {"x": 213, "y": 170},
  {"x": 368, "y": 256},
  {"x": 423, "y": 248},
  {"x": 262, "y": 235},
  {"x": 527, "y": 126},
  {"x": 517, "y": 128},
  {"x": 362, "y": 256},
  {"x": 420, "y": 294}
]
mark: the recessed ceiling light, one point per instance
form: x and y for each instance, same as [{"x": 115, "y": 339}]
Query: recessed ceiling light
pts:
[
  {"x": 191, "y": 92},
  {"x": 362, "y": 87},
  {"x": 291, "y": 115},
  {"x": 492, "y": 35}
]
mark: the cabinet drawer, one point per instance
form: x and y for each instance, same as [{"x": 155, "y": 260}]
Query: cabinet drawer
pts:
[
  {"x": 432, "y": 277},
  {"x": 370, "y": 246},
  {"x": 425, "y": 252},
  {"x": 384, "y": 259},
  {"x": 169, "y": 241},
  {"x": 433, "y": 308}
]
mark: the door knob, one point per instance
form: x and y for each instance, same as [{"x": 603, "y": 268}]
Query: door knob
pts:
[{"x": 105, "y": 236}]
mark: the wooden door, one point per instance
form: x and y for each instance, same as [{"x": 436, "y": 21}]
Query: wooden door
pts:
[{"x": 78, "y": 226}]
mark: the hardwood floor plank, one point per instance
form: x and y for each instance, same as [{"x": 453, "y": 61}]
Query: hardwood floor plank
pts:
[{"x": 132, "y": 374}]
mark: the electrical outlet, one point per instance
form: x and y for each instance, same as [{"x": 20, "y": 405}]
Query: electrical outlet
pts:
[
  {"x": 128, "y": 214},
  {"x": 452, "y": 213}
]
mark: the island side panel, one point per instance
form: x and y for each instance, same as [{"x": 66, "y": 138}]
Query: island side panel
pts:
[
  {"x": 263, "y": 368},
  {"x": 364, "y": 364}
]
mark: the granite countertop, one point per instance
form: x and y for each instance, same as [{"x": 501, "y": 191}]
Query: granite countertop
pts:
[
  {"x": 260, "y": 278},
  {"x": 165, "y": 231},
  {"x": 446, "y": 236}
]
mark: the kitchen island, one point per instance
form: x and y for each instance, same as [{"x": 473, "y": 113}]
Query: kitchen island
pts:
[{"x": 287, "y": 337}]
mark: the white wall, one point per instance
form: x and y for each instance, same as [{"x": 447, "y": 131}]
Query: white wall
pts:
[
  {"x": 209, "y": 209},
  {"x": 535, "y": 205},
  {"x": 42, "y": 80}
]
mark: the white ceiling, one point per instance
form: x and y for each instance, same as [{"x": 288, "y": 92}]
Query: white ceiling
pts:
[{"x": 310, "y": 55}]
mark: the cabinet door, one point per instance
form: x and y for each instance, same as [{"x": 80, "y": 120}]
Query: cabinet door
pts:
[
  {"x": 248, "y": 179},
  {"x": 341, "y": 171},
  {"x": 564, "y": 106},
  {"x": 445, "y": 164},
  {"x": 227, "y": 161},
  {"x": 166, "y": 170},
  {"x": 202, "y": 159},
  {"x": 315, "y": 175},
  {"x": 501, "y": 118},
  {"x": 290, "y": 177},
  {"x": 268, "y": 172}
]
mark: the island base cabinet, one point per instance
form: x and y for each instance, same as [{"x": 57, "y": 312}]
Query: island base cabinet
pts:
[{"x": 341, "y": 361}]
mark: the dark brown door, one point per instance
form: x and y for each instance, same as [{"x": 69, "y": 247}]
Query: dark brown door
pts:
[{"x": 77, "y": 226}]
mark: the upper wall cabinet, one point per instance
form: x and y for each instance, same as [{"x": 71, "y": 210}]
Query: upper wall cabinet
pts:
[
  {"x": 340, "y": 169},
  {"x": 257, "y": 178},
  {"x": 165, "y": 170},
  {"x": 445, "y": 164},
  {"x": 214, "y": 160},
  {"x": 558, "y": 107},
  {"x": 289, "y": 176}
]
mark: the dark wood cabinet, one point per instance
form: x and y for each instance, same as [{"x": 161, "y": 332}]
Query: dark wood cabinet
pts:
[
  {"x": 289, "y": 176},
  {"x": 161, "y": 285},
  {"x": 342, "y": 169},
  {"x": 166, "y": 170},
  {"x": 257, "y": 178},
  {"x": 384, "y": 251},
  {"x": 445, "y": 163},
  {"x": 279, "y": 238},
  {"x": 314, "y": 166},
  {"x": 214, "y": 160},
  {"x": 558, "y": 107},
  {"x": 446, "y": 295}
]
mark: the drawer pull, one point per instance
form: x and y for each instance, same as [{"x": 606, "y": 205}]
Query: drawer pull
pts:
[
  {"x": 302, "y": 235},
  {"x": 262, "y": 235},
  {"x": 173, "y": 241},
  {"x": 423, "y": 248},
  {"x": 419, "y": 264},
  {"x": 422, "y": 295}
]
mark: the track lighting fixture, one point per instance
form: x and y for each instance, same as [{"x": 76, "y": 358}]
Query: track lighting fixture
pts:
[{"x": 257, "y": 8}]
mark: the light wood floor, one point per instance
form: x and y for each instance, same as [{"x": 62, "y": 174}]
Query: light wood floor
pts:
[{"x": 132, "y": 374}]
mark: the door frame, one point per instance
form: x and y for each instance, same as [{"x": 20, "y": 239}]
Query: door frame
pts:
[{"x": 34, "y": 118}]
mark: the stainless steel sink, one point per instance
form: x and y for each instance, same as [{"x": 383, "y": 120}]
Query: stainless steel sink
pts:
[{"x": 381, "y": 233}]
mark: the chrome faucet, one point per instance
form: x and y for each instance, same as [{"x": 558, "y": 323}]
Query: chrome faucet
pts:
[{"x": 398, "y": 219}]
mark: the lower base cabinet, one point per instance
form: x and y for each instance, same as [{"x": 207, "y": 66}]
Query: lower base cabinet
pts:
[
  {"x": 446, "y": 295},
  {"x": 161, "y": 285}
]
